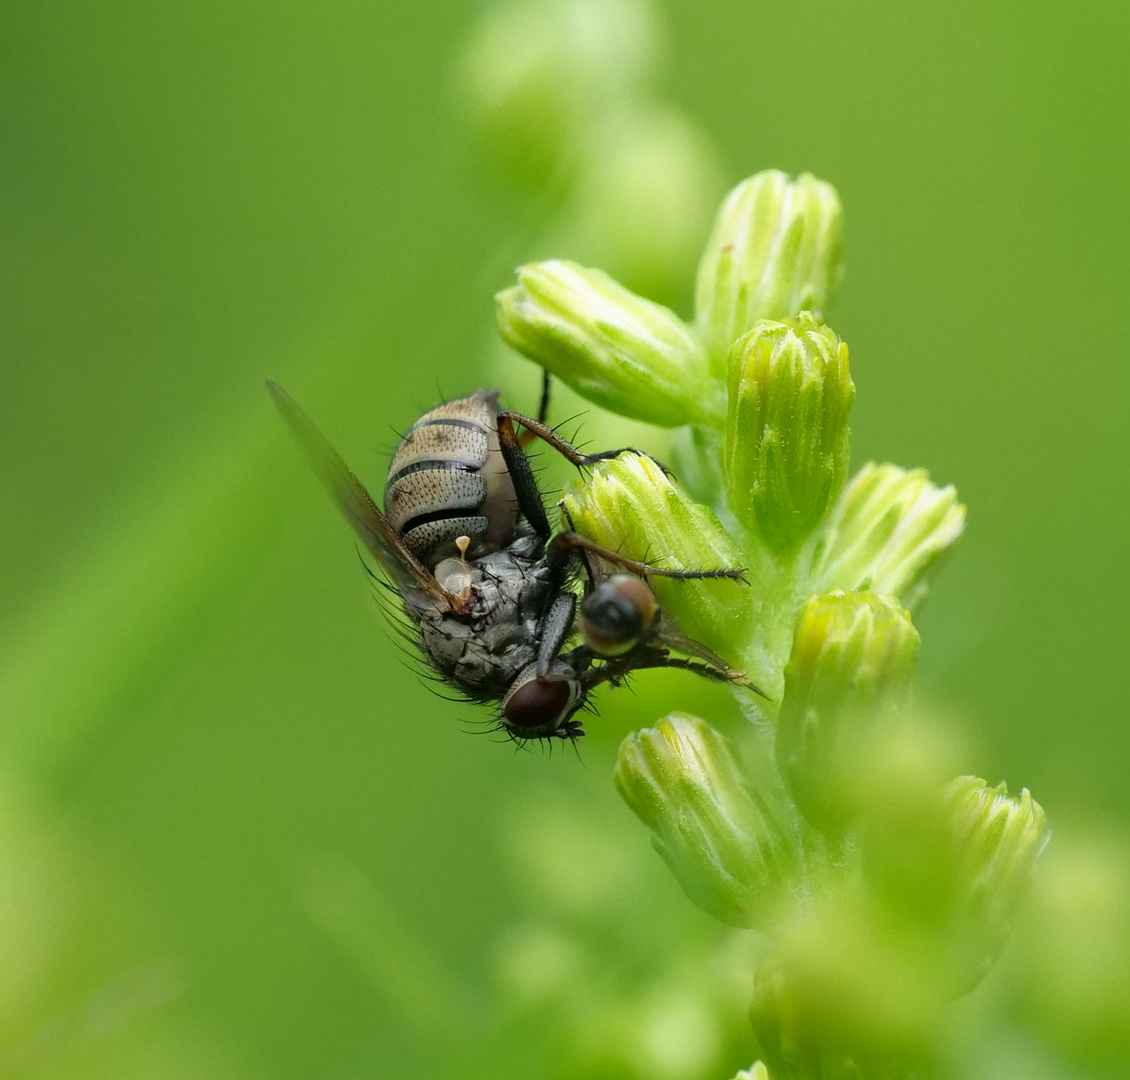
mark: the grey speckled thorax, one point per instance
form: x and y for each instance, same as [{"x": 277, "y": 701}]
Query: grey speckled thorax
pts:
[{"x": 483, "y": 653}]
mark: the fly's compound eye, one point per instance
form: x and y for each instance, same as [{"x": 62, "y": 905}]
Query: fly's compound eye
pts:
[
  {"x": 617, "y": 615},
  {"x": 536, "y": 708}
]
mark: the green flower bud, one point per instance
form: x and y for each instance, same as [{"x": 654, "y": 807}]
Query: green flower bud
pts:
[
  {"x": 996, "y": 840},
  {"x": 723, "y": 843},
  {"x": 631, "y": 506},
  {"x": 787, "y": 438},
  {"x": 848, "y": 677},
  {"x": 623, "y": 352},
  {"x": 888, "y": 533},
  {"x": 775, "y": 252}
]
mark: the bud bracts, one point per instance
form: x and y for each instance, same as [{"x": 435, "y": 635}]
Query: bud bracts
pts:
[
  {"x": 887, "y": 533},
  {"x": 848, "y": 677},
  {"x": 623, "y": 352},
  {"x": 787, "y": 438},
  {"x": 723, "y": 843},
  {"x": 774, "y": 252}
]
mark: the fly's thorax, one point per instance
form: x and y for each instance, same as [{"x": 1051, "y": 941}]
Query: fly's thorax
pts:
[
  {"x": 448, "y": 479},
  {"x": 481, "y": 651}
]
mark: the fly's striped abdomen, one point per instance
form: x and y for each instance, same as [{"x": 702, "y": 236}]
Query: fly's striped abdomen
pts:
[{"x": 448, "y": 479}]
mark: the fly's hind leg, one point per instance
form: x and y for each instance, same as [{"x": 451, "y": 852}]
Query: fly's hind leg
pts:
[
  {"x": 566, "y": 546},
  {"x": 543, "y": 405},
  {"x": 522, "y": 474},
  {"x": 525, "y": 483},
  {"x": 539, "y": 429},
  {"x": 527, "y": 436}
]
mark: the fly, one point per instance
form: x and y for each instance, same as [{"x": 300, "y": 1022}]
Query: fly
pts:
[{"x": 465, "y": 540}]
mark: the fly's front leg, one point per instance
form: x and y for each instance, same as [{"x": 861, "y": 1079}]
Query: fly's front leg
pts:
[
  {"x": 556, "y": 627},
  {"x": 590, "y": 577},
  {"x": 615, "y": 670},
  {"x": 567, "y": 545},
  {"x": 567, "y": 450}
]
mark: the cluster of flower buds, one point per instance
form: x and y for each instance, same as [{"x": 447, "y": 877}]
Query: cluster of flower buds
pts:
[
  {"x": 764, "y": 390},
  {"x": 887, "y": 889}
]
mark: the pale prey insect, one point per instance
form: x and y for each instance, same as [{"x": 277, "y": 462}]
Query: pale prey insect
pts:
[{"x": 465, "y": 540}]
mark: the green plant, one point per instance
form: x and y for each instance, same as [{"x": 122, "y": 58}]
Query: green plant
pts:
[{"x": 832, "y": 824}]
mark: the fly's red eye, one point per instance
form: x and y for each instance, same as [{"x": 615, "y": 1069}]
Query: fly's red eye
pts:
[
  {"x": 537, "y": 704},
  {"x": 617, "y": 614}
]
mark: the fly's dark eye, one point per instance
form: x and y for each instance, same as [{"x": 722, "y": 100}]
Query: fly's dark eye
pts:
[
  {"x": 537, "y": 704},
  {"x": 617, "y": 614}
]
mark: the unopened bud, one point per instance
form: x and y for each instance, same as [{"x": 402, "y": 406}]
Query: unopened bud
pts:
[
  {"x": 631, "y": 506},
  {"x": 724, "y": 844},
  {"x": 888, "y": 532},
  {"x": 997, "y": 840},
  {"x": 787, "y": 437},
  {"x": 623, "y": 352},
  {"x": 775, "y": 252},
  {"x": 848, "y": 677},
  {"x": 757, "y": 1071}
]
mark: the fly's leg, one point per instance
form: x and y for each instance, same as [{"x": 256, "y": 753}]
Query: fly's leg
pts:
[
  {"x": 543, "y": 406},
  {"x": 566, "y": 546},
  {"x": 528, "y": 437},
  {"x": 614, "y": 671},
  {"x": 522, "y": 474},
  {"x": 539, "y": 429},
  {"x": 556, "y": 626},
  {"x": 590, "y": 577}
]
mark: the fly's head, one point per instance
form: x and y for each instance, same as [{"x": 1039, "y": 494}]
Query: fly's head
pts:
[
  {"x": 543, "y": 708},
  {"x": 618, "y": 615}
]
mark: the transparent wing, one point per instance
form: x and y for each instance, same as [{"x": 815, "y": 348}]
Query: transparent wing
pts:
[{"x": 407, "y": 573}]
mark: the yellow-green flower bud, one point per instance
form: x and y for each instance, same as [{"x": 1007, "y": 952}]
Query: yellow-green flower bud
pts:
[
  {"x": 631, "y": 506},
  {"x": 787, "y": 437},
  {"x": 623, "y": 352},
  {"x": 775, "y": 252},
  {"x": 848, "y": 676},
  {"x": 723, "y": 843},
  {"x": 997, "y": 840},
  {"x": 887, "y": 533}
]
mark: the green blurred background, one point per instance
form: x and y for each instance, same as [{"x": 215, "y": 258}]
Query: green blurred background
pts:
[{"x": 238, "y": 836}]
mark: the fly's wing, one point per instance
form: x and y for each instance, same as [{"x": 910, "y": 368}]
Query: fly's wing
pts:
[{"x": 407, "y": 573}]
